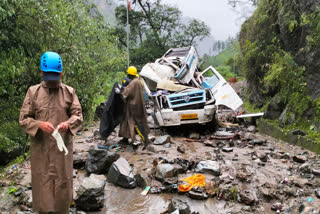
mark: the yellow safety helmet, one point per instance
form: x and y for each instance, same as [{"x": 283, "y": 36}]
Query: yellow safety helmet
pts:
[{"x": 132, "y": 71}]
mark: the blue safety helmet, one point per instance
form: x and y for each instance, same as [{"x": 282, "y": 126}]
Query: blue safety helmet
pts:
[
  {"x": 51, "y": 62},
  {"x": 51, "y": 65}
]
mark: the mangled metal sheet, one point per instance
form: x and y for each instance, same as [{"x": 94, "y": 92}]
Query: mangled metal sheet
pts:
[
  {"x": 181, "y": 93},
  {"x": 187, "y": 59},
  {"x": 223, "y": 93},
  {"x": 171, "y": 86},
  {"x": 157, "y": 72}
]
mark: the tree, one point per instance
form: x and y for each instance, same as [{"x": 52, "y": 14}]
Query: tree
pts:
[
  {"x": 243, "y": 7},
  {"x": 90, "y": 53},
  {"x": 155, "y": 27}
]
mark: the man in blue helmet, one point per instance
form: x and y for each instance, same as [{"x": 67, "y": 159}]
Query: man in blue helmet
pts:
[{"x": 47, "y": 106}]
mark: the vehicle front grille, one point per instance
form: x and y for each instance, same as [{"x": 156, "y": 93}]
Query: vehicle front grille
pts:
[{"x": 186, "y": 99}]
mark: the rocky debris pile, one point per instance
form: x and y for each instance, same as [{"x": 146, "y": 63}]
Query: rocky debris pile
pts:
[
  {"x": 231, "y": 171},
  {"x": 181, "y": 206},
  {"x": 245, "y": 171}
]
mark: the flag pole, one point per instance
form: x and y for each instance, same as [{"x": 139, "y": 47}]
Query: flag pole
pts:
[{"x": 128, "y": 31}]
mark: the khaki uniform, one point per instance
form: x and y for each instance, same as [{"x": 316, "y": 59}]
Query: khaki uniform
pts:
[
  {"x": 52, "y": 171},
  {"x": 135, "y": 110}
]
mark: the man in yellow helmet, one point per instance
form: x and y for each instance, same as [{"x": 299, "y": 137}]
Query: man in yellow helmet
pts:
[{"x": 135, "y": 116}]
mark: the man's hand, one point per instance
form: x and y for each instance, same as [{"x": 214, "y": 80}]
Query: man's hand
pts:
[
  {"x": 46, "y": 127},
  {"x": 63, "y": 127}
]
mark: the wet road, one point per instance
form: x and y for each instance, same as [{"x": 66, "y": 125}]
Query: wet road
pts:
[{"x": 267, "y": 173}]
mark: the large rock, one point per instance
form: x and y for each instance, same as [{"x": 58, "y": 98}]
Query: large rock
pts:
[
  {"x": 90, "y": 195},
  {"x": 197, "y": 195},
  {"x": 162, "y": 140},
  {"x": 299, "y": 158},
  {"x": 141, "y": 180},
  {"x": 100, "y": 160},
  {"x": 316, "y": 172},
  {"x": 248, "y": 198},
  {"x": 177, "y": 204},
  {"x": 120, "y": 174},
  {"x": 79, "y": 160},
  {"x": 287, "y": 117},
  {"x": 208, "y": 166},
  {"x": 305, "y": 168},
  {"x": 165, "y": 171},
  {"x": 275, "y": 108},
  {"x": 259, "y": 142}
]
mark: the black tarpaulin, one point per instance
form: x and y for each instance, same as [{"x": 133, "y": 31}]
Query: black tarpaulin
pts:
[{"x": 112, "y": 113}]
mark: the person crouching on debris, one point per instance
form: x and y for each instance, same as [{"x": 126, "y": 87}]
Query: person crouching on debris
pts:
[
  {"x": 48, "y": 108},
  {"x": 135, "y": 116}
]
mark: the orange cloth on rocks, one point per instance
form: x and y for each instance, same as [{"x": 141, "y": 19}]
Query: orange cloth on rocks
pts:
[{"x": 193, "y": 181}]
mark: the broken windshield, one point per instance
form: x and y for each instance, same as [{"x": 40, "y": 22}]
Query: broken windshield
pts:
[{"x": 210, "y": 79}]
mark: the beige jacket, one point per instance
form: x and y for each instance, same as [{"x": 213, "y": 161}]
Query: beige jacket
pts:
[{"x": 51, "y": 170}]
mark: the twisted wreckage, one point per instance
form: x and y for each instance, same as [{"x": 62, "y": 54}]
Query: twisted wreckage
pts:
[{"x": 181, "y": 93}]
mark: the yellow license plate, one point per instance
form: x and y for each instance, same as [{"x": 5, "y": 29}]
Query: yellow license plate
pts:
[{"x": 188, "y": 116}]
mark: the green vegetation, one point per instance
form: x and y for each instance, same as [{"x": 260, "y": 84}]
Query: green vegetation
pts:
[
  {"x": 234, "y": 192},
  {"x": 224, "y": 61},
  {"x": 91, "y": 55},
  {"x": 154, "y": 28},
  {"x": 219, "y": 59},
  {"x": 277, "y": 44}
]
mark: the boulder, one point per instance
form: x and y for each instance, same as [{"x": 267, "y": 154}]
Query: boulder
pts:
[
  {"x": 305, "y": 168},
  {"x": 286, "y": 117},
  {"x": 252, "y": 129},
  {"x": 141, "y": 180},
  {"x": 316, "y": 172},
  {"x": 181, "y": 149},
  {"x": 255, "y": 142},
  {"x": 79, "y": 160},
  {"x": 285, "y": 156},
  {"x": 274, "y": 108},
  {"x": 208, "y": 166},
  {"x": 177, "y": 204},
  {"x": 100, "y": 160},
  {"x": 197, "y": 195},
  {"x": 90, "y": 195},
  {"x": 162, "y": 140},
  {"x": 299, "y": 158},
  {"x": 165, "y": 171},
  {"x": 120, "y": 174},
  {"x": 262, "y": 156},
  {"x": 248, "y": 198}
]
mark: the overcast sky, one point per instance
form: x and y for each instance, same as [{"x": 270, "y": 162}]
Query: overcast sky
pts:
[{"x": 217, "y": 14}]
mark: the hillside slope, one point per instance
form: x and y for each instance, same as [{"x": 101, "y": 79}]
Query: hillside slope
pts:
[{"x": 280, "y": 48}]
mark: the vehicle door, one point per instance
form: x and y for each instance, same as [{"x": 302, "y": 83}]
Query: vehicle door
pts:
[{"x": 220, "y": 88}]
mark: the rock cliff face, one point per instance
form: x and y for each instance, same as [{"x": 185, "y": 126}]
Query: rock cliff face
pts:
[{"x": 280, "y": 47}]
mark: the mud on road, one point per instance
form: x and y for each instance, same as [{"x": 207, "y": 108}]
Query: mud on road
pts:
[{"x": 257, "y": 174}]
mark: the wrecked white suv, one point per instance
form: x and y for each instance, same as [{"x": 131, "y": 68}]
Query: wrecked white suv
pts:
[{"x": 182, "y": 94}]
